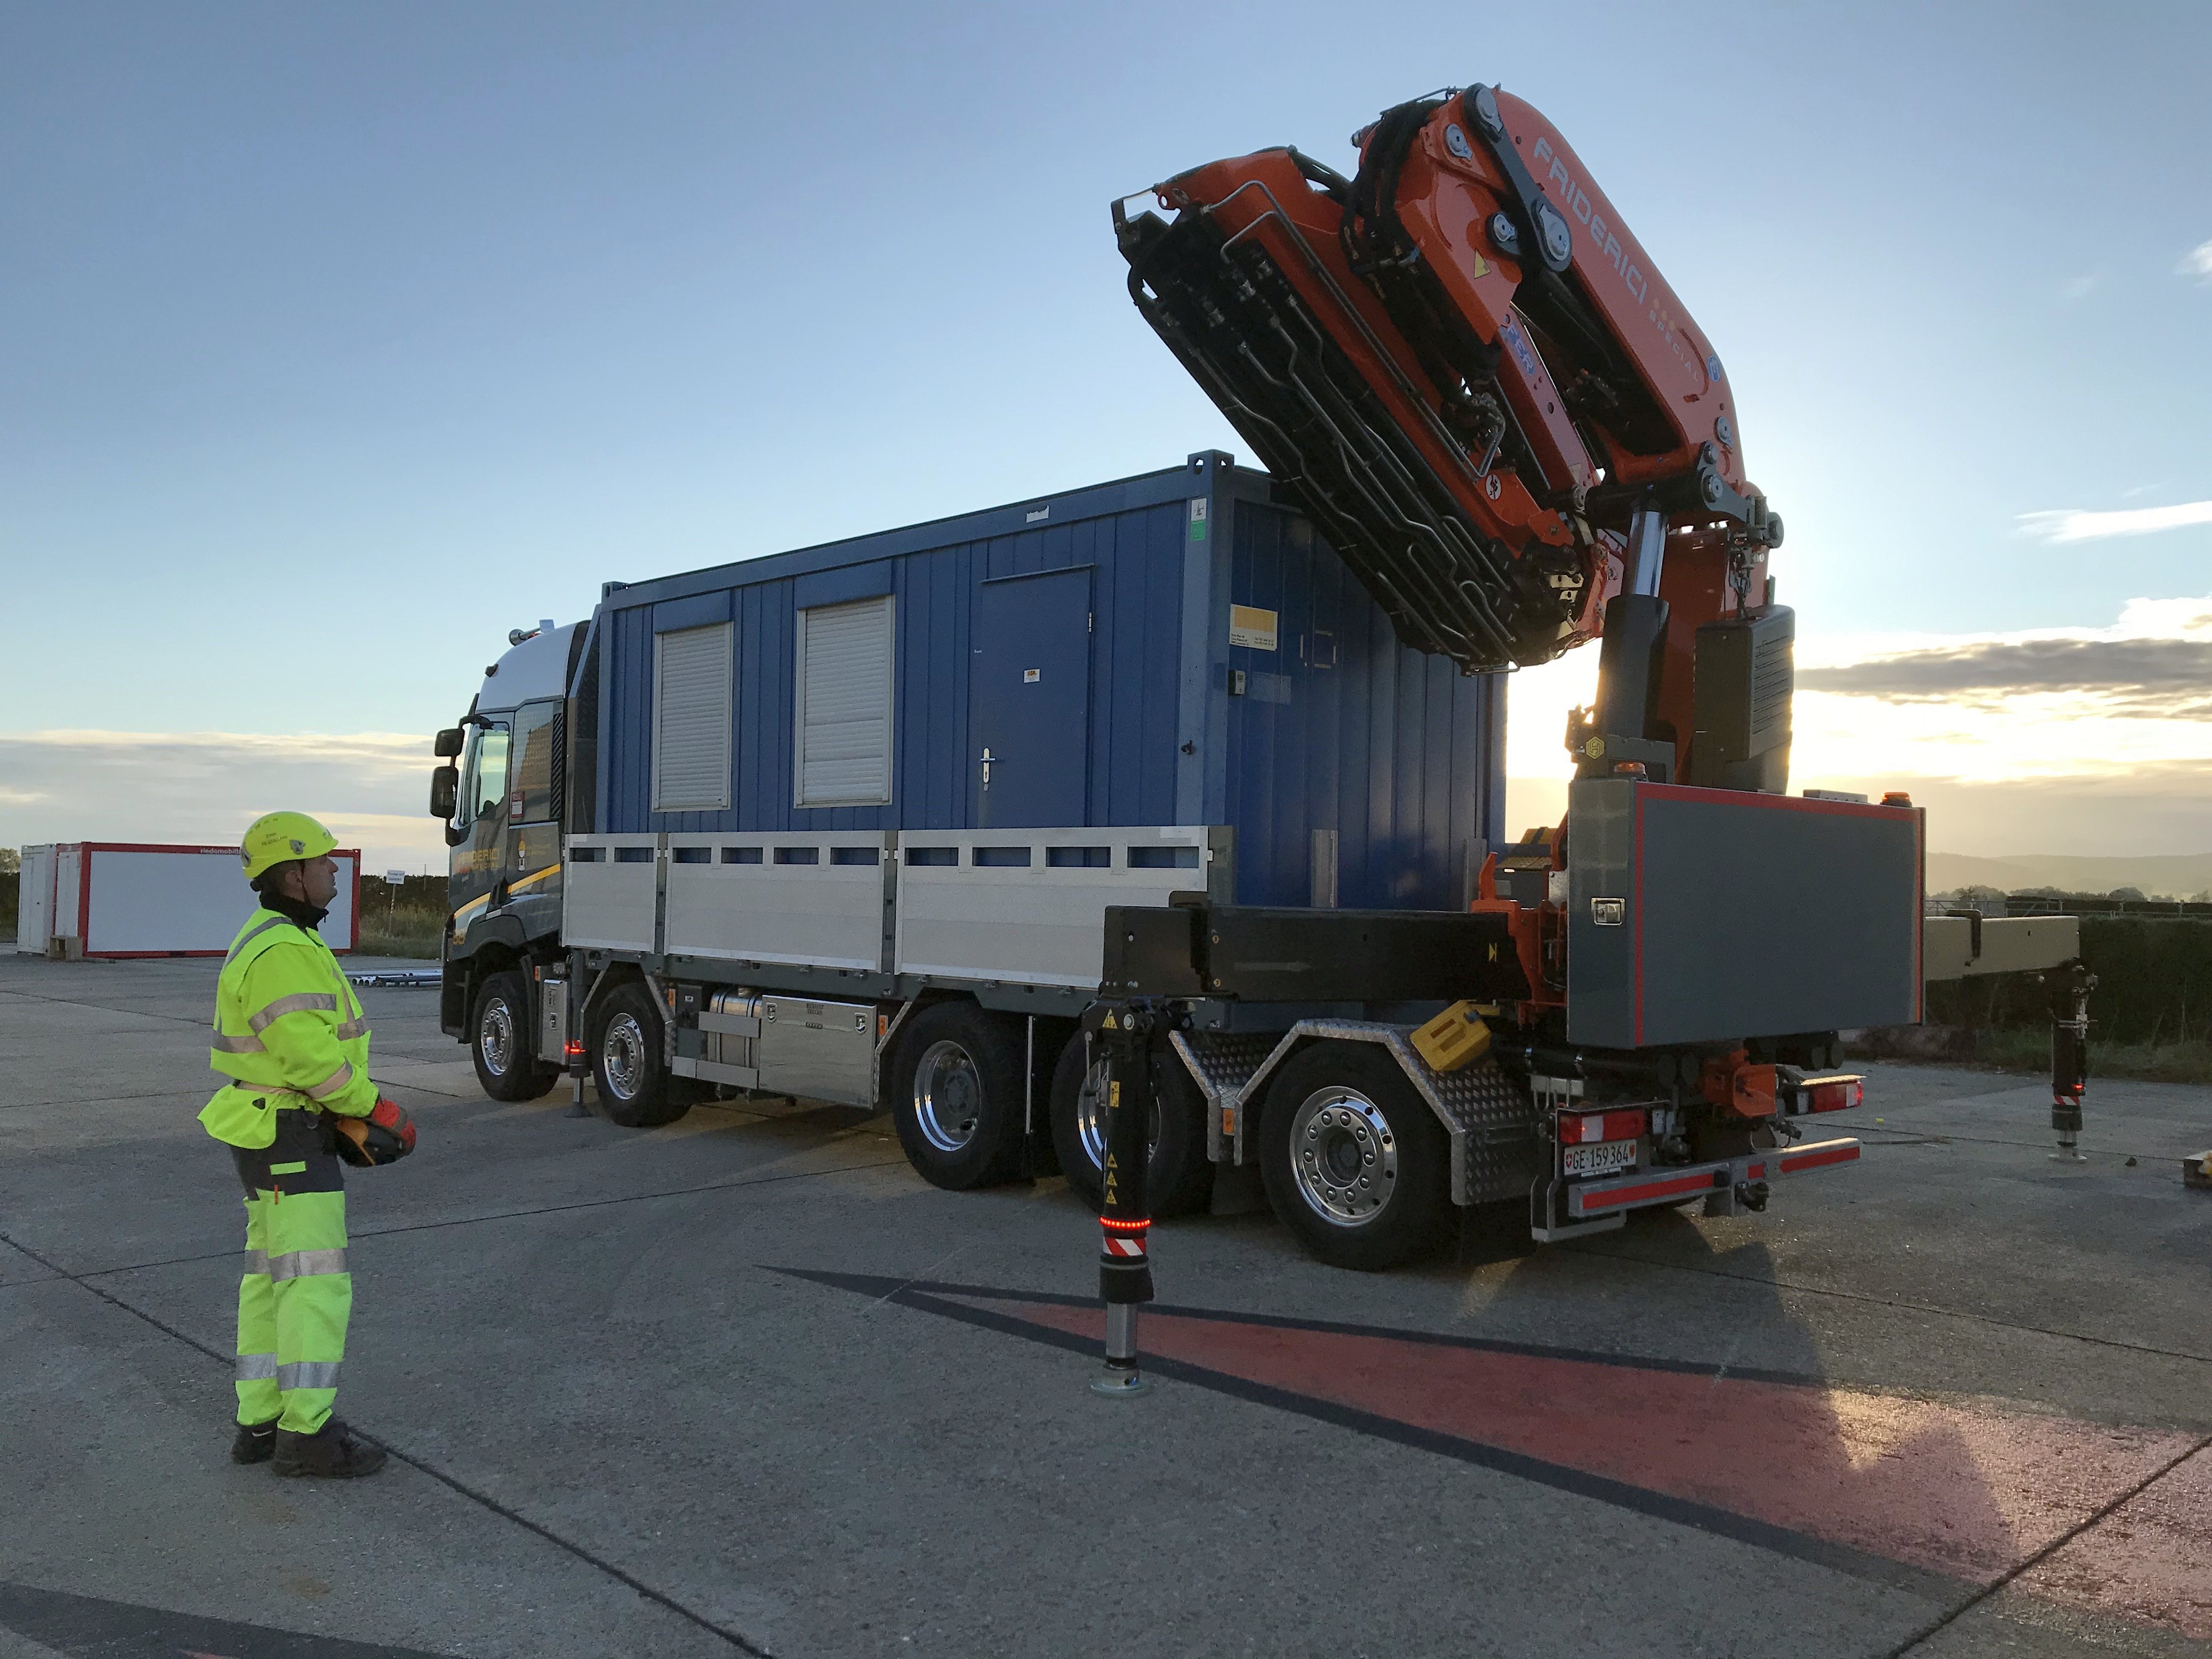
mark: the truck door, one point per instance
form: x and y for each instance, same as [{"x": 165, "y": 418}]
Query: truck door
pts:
[
  {"x": 530, "y": 869},
  {"x": 481, "y": 817},
  {"x": 1029, "y": 700}
]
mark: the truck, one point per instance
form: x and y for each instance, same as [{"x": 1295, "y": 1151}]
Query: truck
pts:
[{"x": 879, "y": 823}]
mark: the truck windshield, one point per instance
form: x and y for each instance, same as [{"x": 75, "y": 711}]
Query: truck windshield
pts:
[{"x": 483, "y": 776}]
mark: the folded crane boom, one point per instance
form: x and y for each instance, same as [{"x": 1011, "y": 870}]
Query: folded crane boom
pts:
[{"x": 1468, "y": 371}]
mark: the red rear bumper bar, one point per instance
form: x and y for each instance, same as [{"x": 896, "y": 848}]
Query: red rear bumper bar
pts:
[{"x": 1588, "y": 1199}]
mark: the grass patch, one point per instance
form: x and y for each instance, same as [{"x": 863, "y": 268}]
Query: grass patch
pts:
[
  {"x": 406, "y": 931},
  {"x": 2013, "y": 1048},
  {"x": 2151, "y": 1062}
]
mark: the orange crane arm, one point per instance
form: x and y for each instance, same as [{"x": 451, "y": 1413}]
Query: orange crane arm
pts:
[{"x": 1468, "y": 372}]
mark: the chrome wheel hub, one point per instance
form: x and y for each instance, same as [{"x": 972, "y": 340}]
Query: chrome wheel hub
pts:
[
  {"x": 1343, "y": 1156},
  {"x": 948, "y": 1096},
  {"x": 495, "y": 1039},
  {"x": 622, "y": 1056}
]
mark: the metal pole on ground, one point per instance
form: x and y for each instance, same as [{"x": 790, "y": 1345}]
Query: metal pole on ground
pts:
[
  {"x": 1125, "y": 1271},
  {"x": 574, "y": 1060},
  {"x": 2069, "y": 1055}
]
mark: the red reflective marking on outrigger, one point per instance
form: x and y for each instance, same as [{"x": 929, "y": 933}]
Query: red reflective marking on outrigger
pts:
[{"x": 1814, "y": 1160}]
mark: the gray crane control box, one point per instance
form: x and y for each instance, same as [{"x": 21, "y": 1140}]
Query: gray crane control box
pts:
[{"x": 1705, "y": 915}]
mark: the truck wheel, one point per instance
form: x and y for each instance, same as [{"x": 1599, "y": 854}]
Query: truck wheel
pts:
[
  {"x": 1355, "y": 1162},
  {"x": 1180, "y": 1179},
  {"x": 626, "y": 1064},
  {"x": 505, "y": 1066},
  {"x": 957, "y": 1096}
]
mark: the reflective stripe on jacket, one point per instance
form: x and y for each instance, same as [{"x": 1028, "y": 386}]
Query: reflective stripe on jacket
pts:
[{"x": 287, "y": 1025}]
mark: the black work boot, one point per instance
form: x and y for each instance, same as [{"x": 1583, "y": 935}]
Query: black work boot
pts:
[
  {"x": 330, "y": 1450},
  {"x": 256, "y": 1442}
]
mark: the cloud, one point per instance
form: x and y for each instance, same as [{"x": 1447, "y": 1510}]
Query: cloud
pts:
[
  {"x": 2155, "y": 811},
  {"x": 2072, "y": 524},
  {"x": 204, "y": 787},
  {"x": 2077, "y": 288},
  {"x": 2170, "y": 679},
  {"x": 2088, "y": 739},
  {"x": 2197, "y": 263}
]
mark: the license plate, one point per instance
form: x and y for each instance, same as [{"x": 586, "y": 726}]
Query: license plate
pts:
[{"x": 1607, "y": 1158}]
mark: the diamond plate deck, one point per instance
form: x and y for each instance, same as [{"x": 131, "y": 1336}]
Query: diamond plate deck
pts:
[
  {"x": 1491, "y": 1122},
  {"x": 1222, "y": 1066}
]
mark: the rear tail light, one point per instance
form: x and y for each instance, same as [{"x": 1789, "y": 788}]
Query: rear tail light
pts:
[
  {"x": 1838, "y": 1094},
  {"x": 1583, "y": 1129}
]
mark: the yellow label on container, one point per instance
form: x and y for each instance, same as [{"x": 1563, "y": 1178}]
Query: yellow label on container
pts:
[{"x": 1250, "y": 626}]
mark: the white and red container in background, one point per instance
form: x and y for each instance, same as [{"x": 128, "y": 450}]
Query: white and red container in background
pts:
[{"x": 112, "y": 899}]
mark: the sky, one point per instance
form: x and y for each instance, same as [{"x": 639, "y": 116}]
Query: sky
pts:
[{"x": 336, "y": 342}]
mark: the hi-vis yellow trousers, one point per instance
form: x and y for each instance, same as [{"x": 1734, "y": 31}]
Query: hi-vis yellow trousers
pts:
[{"x": 295, "y": 1296}]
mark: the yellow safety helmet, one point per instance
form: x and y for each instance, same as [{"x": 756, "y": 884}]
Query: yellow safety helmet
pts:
[{"x": 276, "y": 836}]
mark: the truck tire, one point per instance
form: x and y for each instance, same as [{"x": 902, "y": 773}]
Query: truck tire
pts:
[
  {"x": 501, "y": 1044},
  {"x": 955, "y": 1092},
  {"x": 633, "y": 1081},
  {"x": 1355, "y": 1162},
  {"x": 1179, "y": 1179}
]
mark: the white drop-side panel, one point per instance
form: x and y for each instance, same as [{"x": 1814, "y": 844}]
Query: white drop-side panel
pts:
[
  {"x": 825, "y": 913},
  {"x": 34, "y": 899},
  {"x": 1034, "y": 926},
  {"x": 606, "y": 904},
  {"x": 844, "y": 704},
  {"x": 693, "y": 714}
]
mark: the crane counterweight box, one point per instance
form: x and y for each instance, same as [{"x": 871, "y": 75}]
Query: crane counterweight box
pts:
[{"x": 1704, "y": 915}]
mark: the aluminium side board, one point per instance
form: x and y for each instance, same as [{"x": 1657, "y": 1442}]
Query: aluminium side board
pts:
[{"x": 1174, "y": 649}]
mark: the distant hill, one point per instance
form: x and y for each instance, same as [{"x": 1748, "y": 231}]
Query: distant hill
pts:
[{"x": 2182, "y": 876}]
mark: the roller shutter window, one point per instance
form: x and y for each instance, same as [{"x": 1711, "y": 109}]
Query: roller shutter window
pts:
[
  {"x": 692, "y": 716},
  {"x": 845, "y": 704}
]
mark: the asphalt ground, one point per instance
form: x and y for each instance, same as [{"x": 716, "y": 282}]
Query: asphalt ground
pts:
[{"x": 746, "y": 1385}]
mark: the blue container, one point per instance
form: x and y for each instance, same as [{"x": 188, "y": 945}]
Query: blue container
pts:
[{"x": 1175, "y": 648}]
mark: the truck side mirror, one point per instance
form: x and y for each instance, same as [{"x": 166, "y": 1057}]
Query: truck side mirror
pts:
[
  {"x": 447, "y": 744},
  {"x": 445, "y": 792}
]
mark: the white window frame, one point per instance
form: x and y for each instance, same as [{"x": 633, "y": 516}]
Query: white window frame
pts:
[
  {"x": 721, "y": 802},
  {"x": 884, "y": 604}
]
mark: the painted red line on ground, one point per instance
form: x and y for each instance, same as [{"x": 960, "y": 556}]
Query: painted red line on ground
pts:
[
  {"x": 2151, "y": 1558},
  {"x": 1970, "y": 1491}
]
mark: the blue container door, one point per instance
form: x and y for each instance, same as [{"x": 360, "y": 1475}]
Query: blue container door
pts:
[{"x": 1029, "y": 699}]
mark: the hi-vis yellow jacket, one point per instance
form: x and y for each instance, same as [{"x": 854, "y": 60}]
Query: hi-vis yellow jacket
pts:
[{"x": 289, "y": 1031}]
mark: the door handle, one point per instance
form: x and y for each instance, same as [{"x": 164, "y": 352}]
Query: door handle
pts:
[{"x": 987, "y": 771}]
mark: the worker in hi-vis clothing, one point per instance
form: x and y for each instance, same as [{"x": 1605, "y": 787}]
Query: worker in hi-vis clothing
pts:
[{"x": 290, "y": 1036}]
